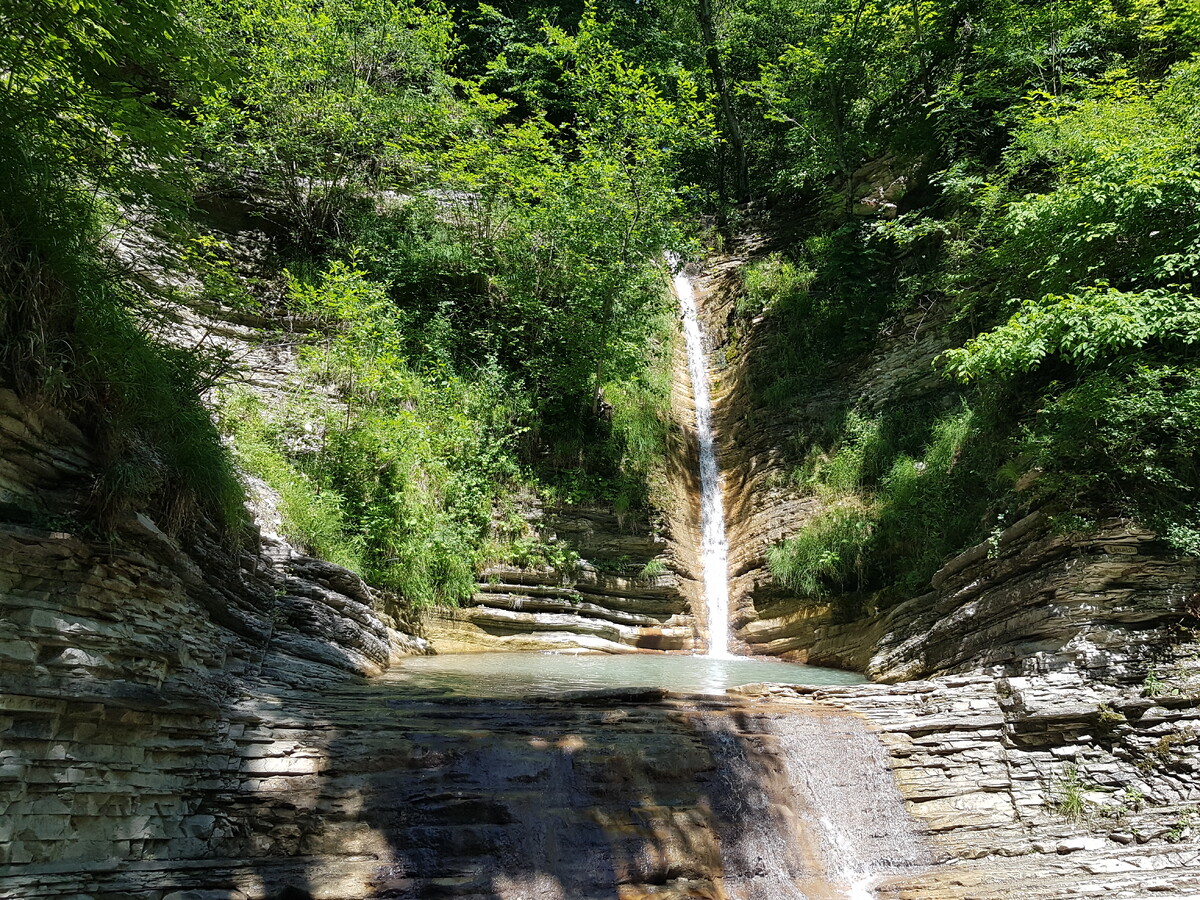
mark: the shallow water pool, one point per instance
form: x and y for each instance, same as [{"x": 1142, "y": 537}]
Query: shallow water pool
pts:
[{"x": 518, "y": 675}]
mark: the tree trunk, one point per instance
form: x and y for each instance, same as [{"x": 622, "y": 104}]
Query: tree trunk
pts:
[{"x": 733, "y": 130}]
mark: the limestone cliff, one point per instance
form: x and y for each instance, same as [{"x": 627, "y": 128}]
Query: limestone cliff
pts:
[{"x": 183, "y": 720}]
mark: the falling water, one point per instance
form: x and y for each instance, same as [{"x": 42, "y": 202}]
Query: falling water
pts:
[
  {"x": 807, "y": 807},
  {"x": 840, "y": 773},
  {"x": 713, "y": 547}
]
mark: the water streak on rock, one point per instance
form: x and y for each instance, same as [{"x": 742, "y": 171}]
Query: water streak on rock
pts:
[
  {"x": 807, "y": 808},
  {"x": 714, "y": 549}
]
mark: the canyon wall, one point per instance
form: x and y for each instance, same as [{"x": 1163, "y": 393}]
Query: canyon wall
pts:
[
  {"x": 122, "y": 661},
  {"x": 192, "y": 722},
  {"x": 1108, "y": 602},
  {"x": 156, "y": 693}
]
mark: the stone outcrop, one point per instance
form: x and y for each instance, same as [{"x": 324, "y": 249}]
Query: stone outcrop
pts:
[
  {"x": 1040, "y": 787},
  {"x": 1106, "y": 605},
  {"x": 1034, "y": 788},
  {"x": 622, "y": 595},
  {"x": 1030, "y": 599},
  {"x": 120, "y": 655}
]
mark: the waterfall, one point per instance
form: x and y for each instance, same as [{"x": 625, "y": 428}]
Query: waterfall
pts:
[
  {"x": 807, "y": 806},
  {"x": 713, "y": 547}
]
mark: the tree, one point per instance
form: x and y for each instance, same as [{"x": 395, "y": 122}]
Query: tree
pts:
[
  {"x": 733, "y": 129},
  {"x": 325, "y": 103},
  {"x": 582, "y": 211}
]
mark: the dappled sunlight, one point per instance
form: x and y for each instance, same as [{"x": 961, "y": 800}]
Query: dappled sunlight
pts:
[{"x": 507, "y": 799}]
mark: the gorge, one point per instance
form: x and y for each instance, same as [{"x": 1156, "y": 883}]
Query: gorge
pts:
[
  {"x": 612, "y": 450},
  {"x": 252, "y": 761}
]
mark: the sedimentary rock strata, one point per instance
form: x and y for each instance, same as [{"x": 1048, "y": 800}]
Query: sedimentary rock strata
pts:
[
  {"x": 609, "y": 600},
  {"x": 1033, "y": 598}
]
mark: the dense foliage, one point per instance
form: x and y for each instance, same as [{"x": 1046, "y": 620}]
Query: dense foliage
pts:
[
  {"x": 1030, "y": 172},
  {"x": 84, "y": 143},
  {"x": 480, "y": 264},
  {"x": 468, "y": 204}
]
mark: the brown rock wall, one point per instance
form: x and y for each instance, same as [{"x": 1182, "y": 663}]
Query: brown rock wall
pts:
[{"x": 1029, "y": 600}]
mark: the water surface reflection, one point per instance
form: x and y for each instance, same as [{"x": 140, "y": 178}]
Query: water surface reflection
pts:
[{"x": 517, "y": 675}]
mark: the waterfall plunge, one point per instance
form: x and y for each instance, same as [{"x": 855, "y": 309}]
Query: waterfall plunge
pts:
[{"x": 713, "y": 547}]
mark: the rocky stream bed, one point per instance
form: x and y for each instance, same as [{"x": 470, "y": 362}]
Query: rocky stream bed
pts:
[{"x": 193, "y": 723}]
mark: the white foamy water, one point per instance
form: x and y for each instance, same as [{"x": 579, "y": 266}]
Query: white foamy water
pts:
[
  {"x": 714, "y": 550},
  {"x": 806, "y": 806},
  {"x": 840, "y": 771}
]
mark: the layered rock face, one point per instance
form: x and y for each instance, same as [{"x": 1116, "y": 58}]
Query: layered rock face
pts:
[
  {"x": 1042, "y": 787},
  {"x": 367, "y": 791},
  {"x": 192, "y": 723},
  {"x": 374, "y": 790},
  {"x": 1029, "y": 600},
  {"x": 622, "y": 595},
  {"x": 119, "y": 660},
  {"x": 1107, "y": 606}
]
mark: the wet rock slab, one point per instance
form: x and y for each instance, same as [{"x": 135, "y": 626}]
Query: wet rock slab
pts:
[
  {"x": 358, "y": 793},
  {"x": 989, "y": 766},
  {"x": 355, "y": 791}
]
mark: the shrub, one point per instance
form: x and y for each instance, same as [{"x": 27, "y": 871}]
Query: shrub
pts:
[
  {"x": 84, "y": 136},
  {"x": 830, "y": 550},
  {"x": 893, "y": 489}
]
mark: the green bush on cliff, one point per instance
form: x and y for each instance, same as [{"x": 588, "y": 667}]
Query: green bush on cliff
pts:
[
  {"x": 640, "y": 417},
  {"x": 828, "y": 552},
  {"x": 389, "y": 469},
  {"x": 822, "y": 303},
  {"x": 395, "y": 466},
  {"x": 311, "y": 516},
  {"x": 897, "y": 498},
  {"x": 1112, "y": 347},
  {"x": 1045, "y": 215},
  {"x": 85, "y": 138}
]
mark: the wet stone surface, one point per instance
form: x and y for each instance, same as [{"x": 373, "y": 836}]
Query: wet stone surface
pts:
[{"x": 359, "y": 791}]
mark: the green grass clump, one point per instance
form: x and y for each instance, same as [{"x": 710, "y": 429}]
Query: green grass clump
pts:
[
  {"x": 312, "y": 517},
  {"x": 830, "y": 550},
  {"x": 893, "y": 489},
  {"x": 640, "y": 420},
  {"x": 1070, "y": 800}
]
